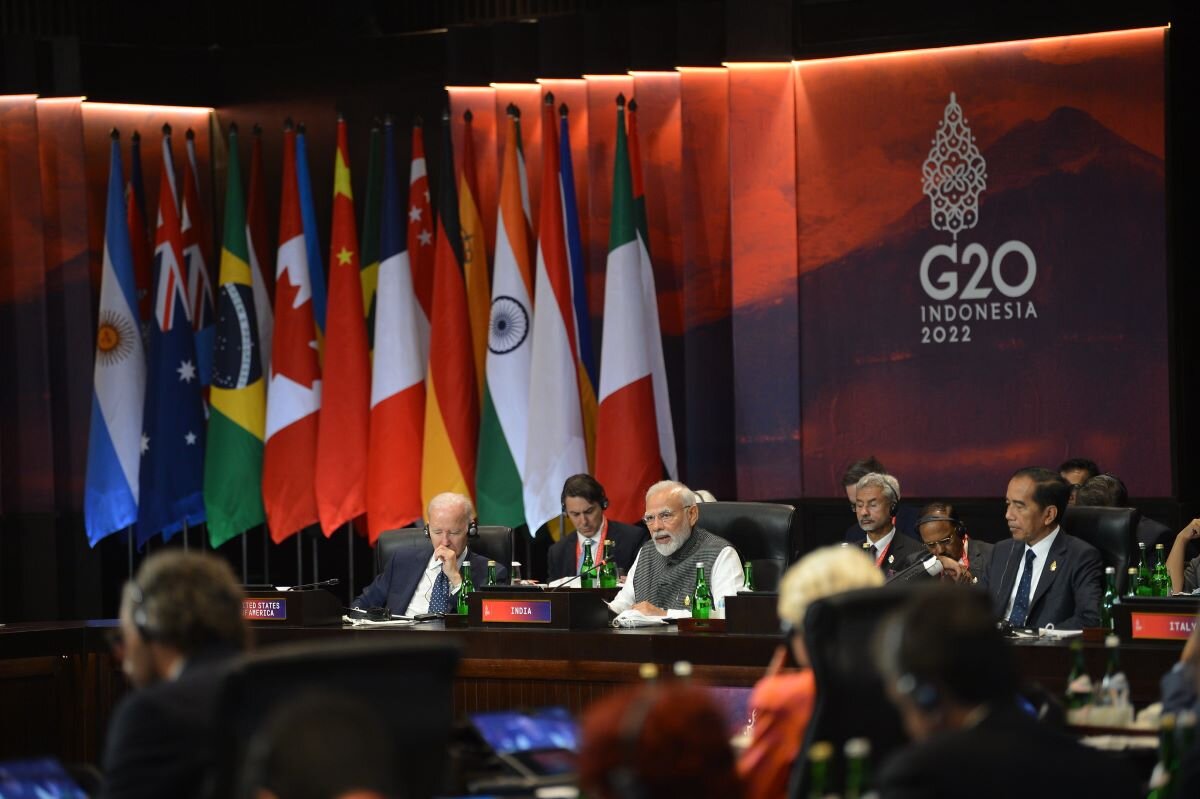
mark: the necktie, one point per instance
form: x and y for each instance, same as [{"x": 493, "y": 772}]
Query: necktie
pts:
[
  {"x": 439, "y": 600},
  {"x": 873, "y": 552},
  {"x": 1020, "y": 609}
]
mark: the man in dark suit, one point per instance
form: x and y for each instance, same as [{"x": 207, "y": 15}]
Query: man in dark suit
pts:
[
  {"x": 181, "y": 626},
  {"x": 951, "y": 677},
  {"x": 427, "y": 579},
  {"x": 905, "y": 516},
  {"x": 875, "y": 499},
  {"x": 1042, "y": 575},
  {"x": 946, "y": 536},
  {"x": 584, "y": 501}
]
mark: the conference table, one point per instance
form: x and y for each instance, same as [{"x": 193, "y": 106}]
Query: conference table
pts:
[{"x": 59, "y": 681}]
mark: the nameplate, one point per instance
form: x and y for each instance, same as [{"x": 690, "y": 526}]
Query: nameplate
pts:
[
  {"x": 264, "y": 609},
  {"x": 1162, "y": 626},
  {"x": 518, "y": 611}
]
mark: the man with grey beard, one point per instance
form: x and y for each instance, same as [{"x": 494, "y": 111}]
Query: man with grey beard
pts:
[{"x": 664, "y": 571}]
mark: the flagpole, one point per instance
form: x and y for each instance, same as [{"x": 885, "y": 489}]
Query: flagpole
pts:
[
  {"x": 316, "y": 566},
  {"x": 245, "y": 556},
  {"x": 266, "y": 556},
  {"x": 350, "y": 563},
  {"x": 185, "y": 535},
  {"x": 129, "y": 541},
  {"x": 299, "y": 557}
]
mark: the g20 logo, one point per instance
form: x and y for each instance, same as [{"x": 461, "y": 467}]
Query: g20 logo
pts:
[{"x": 944, "y": 286}]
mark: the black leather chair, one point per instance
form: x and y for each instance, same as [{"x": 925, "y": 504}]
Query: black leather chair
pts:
[
  {"x": 839, "y": 635},
  {"x": 761, "y": 532},
  {"x": 408, "y": 684},
  {"x": 493, "y": 542},
  {"x": 1113, "y": 531}
]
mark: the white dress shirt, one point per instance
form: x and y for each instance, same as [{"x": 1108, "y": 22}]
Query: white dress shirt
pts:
[
  {"x": 1041, "y": 550},
  {"x": 727, "y": 579},
  {"x": 881, "y": 545},
  {"x": 420, "y": 597}
]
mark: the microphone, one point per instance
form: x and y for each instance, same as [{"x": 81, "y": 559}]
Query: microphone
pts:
[
  {"x": 306, "y": 586},
  {"x": 930, "y": 567}
]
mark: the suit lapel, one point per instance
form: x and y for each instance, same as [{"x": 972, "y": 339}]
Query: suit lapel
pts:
[{"x": 1056, "y": 560}]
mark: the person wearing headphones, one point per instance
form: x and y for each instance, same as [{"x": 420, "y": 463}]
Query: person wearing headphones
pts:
[
  {"x": 946, "y": 537},
  {"x": 1041, "y": 575},
  {"x": 952, "y": 679},
  {"x": 426, "y": 579},
  {"x": 876, "y": 496},
  {"x": 180, "y": 628},
  {"x": 584, "y": 503}
]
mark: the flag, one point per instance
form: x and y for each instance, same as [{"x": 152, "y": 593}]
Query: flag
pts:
[
  {"x": 197, "y": 256},
  {"x": 172, "y": 469},
  {"x": 308, "y": 211},
  {"x": 503, "y": 424},
  {"x": 294, "y": 393},
  {"x": 119, "y": 385},
  {"x": 556, "y": 446},
  {"x": 658, "y": 366},
  {"x": 139, "y": 234},
  {"x": 368, "y": 249},
  {"x": 341, "y": 482},
  {"x": 585, "y": 358},
  {"x": 452, "y": 404},
  {"x": 261, "y": 271},
  {"x": 238, "y": 396},
  {"x": 421, "y": 228},
  {"x": 398, "y": 377},
  {"x": 475, "y": 255},
  {"x": 629, "y": 457}
]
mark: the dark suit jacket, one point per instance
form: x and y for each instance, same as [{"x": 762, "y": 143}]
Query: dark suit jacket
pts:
[
  {"x": 626, "y": 540},
  {"x": 396, "y": 584},
  {"x": 1068, "y": 595},
  {"x": 1007, "y": 754},
  {"x": 981, "y": 555},
  {"x": 162, "y": 741},
  {"x": 901, "y": 552}
]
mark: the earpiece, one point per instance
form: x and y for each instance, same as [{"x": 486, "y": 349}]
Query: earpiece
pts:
[
  {"x": 137, "y": 612},
  {"x": 959, "y": 527},
  {"x": 472, "y": 529}
]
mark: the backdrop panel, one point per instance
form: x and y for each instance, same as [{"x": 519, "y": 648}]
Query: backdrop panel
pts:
[{"x": 983, "y": 261}]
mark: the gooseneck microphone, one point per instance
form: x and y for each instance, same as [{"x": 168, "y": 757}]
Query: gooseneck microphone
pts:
[
  {"x": 920, "y": 570},
  {"x": 307, "y": 586}
]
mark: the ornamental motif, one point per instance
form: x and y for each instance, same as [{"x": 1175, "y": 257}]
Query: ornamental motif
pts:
[{"x": 954, "y": 174}]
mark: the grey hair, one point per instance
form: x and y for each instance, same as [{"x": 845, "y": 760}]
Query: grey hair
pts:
[
  {"x": 687, "y": 497},
  {"x": 449, "y": 499},
  {"x": 890, "y": 485}
]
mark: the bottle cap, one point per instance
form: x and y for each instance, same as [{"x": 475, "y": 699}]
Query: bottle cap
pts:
[
  {"x": 700, "y": 565},
  {"x": 682, "y": 669},
  {"x": 491, "y": 563},
  {"x": 1158, "y": 546},
  {"x": 1110, "y": 570},
  {"x": 1112, "y": 641},
  {"x": 648, "y": 671},
  {"x": 821, "y": 750},
  {"x": 1167, "y": 722},
  {"x": 1132, "y": 569},
  {"x": 857, "y": 748}
]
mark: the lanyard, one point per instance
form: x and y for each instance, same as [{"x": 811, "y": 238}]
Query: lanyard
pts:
[
  {"x": 597, "y": 550},
  {"x": 965, "y": 560},
  {"x": 882, "y": 553}
]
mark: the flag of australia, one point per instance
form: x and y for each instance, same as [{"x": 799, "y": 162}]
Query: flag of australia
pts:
[{"x": 173, "y": 435}]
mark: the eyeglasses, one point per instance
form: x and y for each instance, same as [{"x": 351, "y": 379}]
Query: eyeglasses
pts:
[
  {"x": 664, "y": 517},
  {"x": 941, "y": 542}
]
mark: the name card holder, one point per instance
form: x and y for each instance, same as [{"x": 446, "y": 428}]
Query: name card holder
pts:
[
  {"x": 752, "y": 613},
  {"x": 309, "y": 608},
  {"x": 562, "y": 609},
  {"x": 1156, "y": 618}
]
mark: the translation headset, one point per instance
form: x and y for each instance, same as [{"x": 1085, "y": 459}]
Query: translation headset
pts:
[
  {"x": 925, "y": 695},
  {"x": 472, "y": 529},
  {"x": 603, "y": 501},
  {"x": 137, "y": 612},
  {"x": 959, "y": 527}
]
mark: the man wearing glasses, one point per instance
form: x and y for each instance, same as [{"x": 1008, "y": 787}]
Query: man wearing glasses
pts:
[
  {"x": 875, "y": 499},
  {"x": 945, "y": 536},
  {"x": 664, "y": 571},
  {"x": 426, "y": 579}
]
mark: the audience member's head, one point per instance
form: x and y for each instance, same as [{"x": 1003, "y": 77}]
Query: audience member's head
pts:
[
  {"x": 1077, "y": 471},
  {"x": 819, "y": 574},
  {"x": 1102, "y": 491},
  {"x": 941, "y": 531},
  {"x": 856, "y": 471},
  {"x": 671, "y": 513},
  {"x": 1035, "y": 501},
  {"x": 320, "y": 746},
  {"x": 179, "y": 605},
  {"x": 583, "y": 500},
  {"x": 449, "y": 521},
  {"x": 875, "y": 498},
  {"x": 664, "y": 739},
  {"x": 942, "y": 658}
]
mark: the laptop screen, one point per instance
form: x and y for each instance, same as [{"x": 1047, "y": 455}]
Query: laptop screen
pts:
[
  {"x": 511, "y": 731},
  {"x": 37, "y": 779}
]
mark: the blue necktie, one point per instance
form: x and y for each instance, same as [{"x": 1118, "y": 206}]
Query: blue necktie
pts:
[
  {"x": 1020, "y": 608},
  {"x": 439, "y": 600}
]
